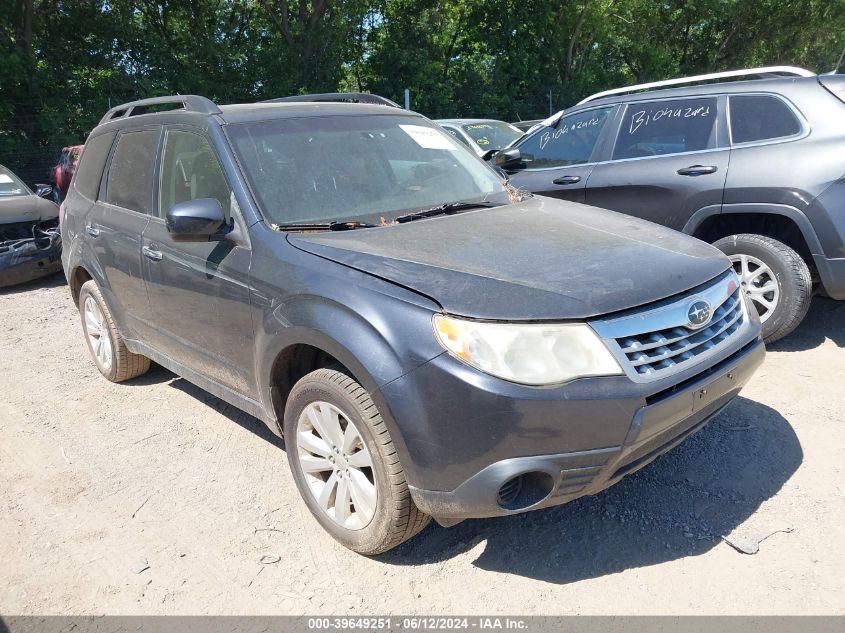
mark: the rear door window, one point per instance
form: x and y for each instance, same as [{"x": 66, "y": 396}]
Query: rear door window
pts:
[
  {"x": 760, "y": 118},
  {"x": 571, "y": 142},
  {"x": 88, "y": 175},
  {"x": 654, "y": 128},
  {"x": 130, "y": 180}
]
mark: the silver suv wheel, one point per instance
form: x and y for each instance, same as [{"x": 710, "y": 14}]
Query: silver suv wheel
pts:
[
  {"x": 336, "y": 465},
  {"x": 759, "y": 284},
  {"x": 98, "y": 335}
]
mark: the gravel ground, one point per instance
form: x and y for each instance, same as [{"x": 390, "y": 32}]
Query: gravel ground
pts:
[{"x": 155, "y": 497}]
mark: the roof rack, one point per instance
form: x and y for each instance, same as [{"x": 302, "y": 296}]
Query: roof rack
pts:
[
  {"x": 357, "y": 97},
  {"x": 763, "y": 72},
  {"x": 190, "y": 103}
]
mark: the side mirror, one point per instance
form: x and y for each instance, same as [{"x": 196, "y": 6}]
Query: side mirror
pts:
[
  {"x": 43, "y": 191},
  {"x": 507, "y": 158},
  {"x": 195, "y": 220}
]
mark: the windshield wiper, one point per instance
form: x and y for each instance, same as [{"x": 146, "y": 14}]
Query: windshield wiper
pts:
[
  {"x": 443, "y": 209},
  {"x": 323, "y": 226}
]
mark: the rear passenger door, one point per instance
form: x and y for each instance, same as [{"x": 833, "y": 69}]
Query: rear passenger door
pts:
[
  {"x": 669, "y": 159},
  {"x": 199, "y": 291},
  {"x": 114, "y": 226}
]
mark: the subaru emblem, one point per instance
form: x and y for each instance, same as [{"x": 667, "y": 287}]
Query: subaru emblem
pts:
[{"x": 698, "y": 314}]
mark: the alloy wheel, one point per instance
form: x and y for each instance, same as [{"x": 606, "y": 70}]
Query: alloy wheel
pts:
[
  {"x": 336, "y": 465},
  {"x": 758, "y": 283},
  {"x": 98, "y": 334}
]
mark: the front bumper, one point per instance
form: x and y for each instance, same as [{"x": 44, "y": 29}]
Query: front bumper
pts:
[{"x": 646, "y": 426}]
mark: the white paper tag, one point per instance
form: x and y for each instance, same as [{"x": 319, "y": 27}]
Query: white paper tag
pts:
[
  {"x": 5, "y": 179},
  {"x": 428, "y": 138}
]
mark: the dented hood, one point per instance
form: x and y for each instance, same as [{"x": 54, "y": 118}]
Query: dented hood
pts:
[
  {"x": 538, "y": 259},
  {"x": 29, "y": 208}
]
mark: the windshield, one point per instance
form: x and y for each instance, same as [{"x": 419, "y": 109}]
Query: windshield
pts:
[
  {"x": 492, "y": 134},
  {"x": 11, "y": 186},
  {"x": 341, "y": 168}
]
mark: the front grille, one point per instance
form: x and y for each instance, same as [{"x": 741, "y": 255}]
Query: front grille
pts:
[
  {"x": 657, "y": 351},
  {"x": 659, "y": 340}
]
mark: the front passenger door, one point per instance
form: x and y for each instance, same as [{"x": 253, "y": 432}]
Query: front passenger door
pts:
[
  {"x": 199, "y": 290},
  {"x": 558, "y": 160}
]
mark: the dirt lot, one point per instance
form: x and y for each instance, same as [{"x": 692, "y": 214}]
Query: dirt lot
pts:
[{"x": 101, "y": 480}]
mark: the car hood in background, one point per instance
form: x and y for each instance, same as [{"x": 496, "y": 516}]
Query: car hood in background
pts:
[
  {"x": 29, "y": 208},
  {"x": 538, "y": 259}
]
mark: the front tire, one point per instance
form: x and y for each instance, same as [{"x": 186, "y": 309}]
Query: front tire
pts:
[
  {"x": 108, "y": 350},
  {"x": 345, "y": 464},
  {"x": 774, "y": 277}
]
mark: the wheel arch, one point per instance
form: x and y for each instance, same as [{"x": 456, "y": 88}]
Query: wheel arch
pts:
[
  {"x": 76, "y": 279},
  {"x": 778, "y": 221},
  {"x": 337, "y": 334}
]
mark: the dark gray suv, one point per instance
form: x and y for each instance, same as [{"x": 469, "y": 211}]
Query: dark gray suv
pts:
[
  {"x": 428, "y": 343},
  {"x": 756, "y": 167}
]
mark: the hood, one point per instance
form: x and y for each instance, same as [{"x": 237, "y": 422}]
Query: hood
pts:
[
  {"x": 28, "y": 208},
  {"x": 539, "y": 259}
]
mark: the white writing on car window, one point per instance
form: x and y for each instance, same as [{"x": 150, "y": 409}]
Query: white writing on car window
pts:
[
  {"x": 564, "y": 128},
  {"x": 643, "y": 117}
]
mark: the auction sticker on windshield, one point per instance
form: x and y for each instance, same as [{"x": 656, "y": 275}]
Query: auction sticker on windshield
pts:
[{"x": 428, "y": 138}]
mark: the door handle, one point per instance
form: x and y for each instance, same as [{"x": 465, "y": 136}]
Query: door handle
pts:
[
  {"x": 151, "y": 254},
  {"x": 697, "y": 170},
  {"x": 93, "y": 231},
  {"x": 567, "y": 180}
]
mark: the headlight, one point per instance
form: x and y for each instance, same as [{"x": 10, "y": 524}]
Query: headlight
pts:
[{"x": 531, "y": 354}]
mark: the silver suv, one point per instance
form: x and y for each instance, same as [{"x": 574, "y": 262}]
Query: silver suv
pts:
[{"x": 755, "y": 166}]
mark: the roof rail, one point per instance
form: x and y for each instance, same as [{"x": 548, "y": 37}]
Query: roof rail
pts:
[
  {"x": 357, "y": 97},
  {"x": 191, "y": 103},
  {"x": 748, "y": 72}
]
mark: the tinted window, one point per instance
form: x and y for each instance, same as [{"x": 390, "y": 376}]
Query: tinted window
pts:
[
  {"x": 88, "y": 175},
  {"x": 571, "y": 142},
  {"x": 130, "y": 180},
  {"x": 760, "y": 117},
  {"x": 190, "y": 170},
  {"x": 652, "y": 128}
]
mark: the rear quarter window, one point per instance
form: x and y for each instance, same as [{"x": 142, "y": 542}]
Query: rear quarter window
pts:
[
  {"x": 89, "y": 173},
  {"x": 761, "y": 118}
]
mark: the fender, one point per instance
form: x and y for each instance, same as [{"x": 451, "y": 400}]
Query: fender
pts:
[
  {"x": 785, "y": 210},
  {"x": 376, "y": 347},
  {"x": 698, "y": 218}
]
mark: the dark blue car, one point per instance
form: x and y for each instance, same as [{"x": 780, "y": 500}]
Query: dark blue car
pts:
[{"x": 429, "y": 342}]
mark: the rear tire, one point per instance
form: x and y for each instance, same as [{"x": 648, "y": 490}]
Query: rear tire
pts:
[
  {"x": 774, "y": 277},
  {"x": 108, "y": 350},
  {"x": 345, "y": 464}
]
